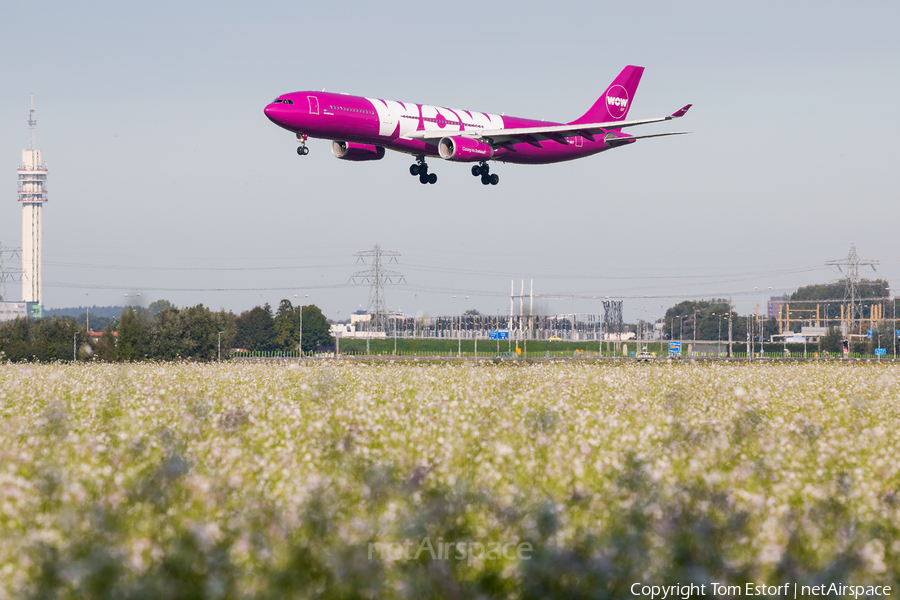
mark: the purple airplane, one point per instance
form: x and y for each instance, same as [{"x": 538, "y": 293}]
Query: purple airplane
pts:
[{"x": 361, "y": 128}]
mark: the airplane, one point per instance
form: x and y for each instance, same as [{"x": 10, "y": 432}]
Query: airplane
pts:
[{"x": 362, "y": 128}]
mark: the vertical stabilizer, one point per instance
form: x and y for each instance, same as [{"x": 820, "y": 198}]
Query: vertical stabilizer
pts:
[{"x": 615, "y": 102}]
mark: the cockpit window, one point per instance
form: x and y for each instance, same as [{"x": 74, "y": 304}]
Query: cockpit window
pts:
[{"x": 282, "y": 101}]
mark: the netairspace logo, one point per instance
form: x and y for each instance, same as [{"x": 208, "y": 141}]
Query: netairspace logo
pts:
[{"x": 441, "y": 550}]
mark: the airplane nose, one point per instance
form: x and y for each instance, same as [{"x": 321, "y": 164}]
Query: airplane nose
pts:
[{"x": 276, "y": 114}]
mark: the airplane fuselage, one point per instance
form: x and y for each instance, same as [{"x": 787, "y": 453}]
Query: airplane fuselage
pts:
[
  {"x": 362, "y": 129},
  {"x": 393, "y": 124}
]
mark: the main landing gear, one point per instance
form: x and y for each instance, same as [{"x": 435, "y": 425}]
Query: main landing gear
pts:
[
  {"x": 484, "y": 170},
  {"x": 302, "y": 150},
  {"x": 421, "y": 169}
]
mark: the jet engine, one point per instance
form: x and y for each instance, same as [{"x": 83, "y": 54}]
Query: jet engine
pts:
[
  {"x": 611, "y": 140},
  {"x": 464, "y": 149},
  {"x": 356, "y": 152}
]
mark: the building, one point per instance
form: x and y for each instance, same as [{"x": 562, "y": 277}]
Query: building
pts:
[
  {"x": 12, "y": 310},
  {"x": 773, "y": 306},
  {"x": 32, "y": 196}
]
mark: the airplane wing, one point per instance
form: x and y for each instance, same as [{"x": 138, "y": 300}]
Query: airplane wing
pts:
[{"x": 556, "y": 133}]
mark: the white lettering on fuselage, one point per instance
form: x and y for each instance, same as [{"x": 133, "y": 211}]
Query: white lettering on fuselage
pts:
[
  {"x": 623, "y": 102},
  {"x": 433, "y": 118}
]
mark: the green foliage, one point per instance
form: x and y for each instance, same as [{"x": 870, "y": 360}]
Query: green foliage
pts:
[
  {"x": 43, "y": 340},
  {"x": 189, "y": 333},
  {"x": 105, "y": 348},
  {"x": 832, "y": 341},
  {"x": 287, "y": 327},
  {"x": 259, "y": 330},
  {"x": 868, "y": 288},
  {"x": 132, "y": 335},
  {"x": 256, "y": 329},
  {"x": 316, "y": 330},
  {"x": 709, "y": 319}
]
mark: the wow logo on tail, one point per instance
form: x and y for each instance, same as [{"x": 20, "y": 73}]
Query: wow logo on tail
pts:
[{"x": 617, "y": 101}]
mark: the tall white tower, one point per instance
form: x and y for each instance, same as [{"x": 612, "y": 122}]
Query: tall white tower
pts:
[{"x": 32, "y": 195}]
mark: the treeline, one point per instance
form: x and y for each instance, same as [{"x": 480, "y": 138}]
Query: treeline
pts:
[{"x": 165, "y": 332}]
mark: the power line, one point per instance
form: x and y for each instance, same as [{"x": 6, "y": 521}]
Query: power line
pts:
[
  {"x": 376, "y": 277},
  {"x": 852, "y": 263}
]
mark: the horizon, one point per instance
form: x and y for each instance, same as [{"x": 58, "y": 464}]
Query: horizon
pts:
[{"x": 166, "y": 178}]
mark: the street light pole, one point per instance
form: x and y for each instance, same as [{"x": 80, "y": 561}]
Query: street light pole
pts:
[
  {"x": 301, "y": 324},
  {"x": 459, "y": 327},
  {"x": 220, "y": 345},
  {"x": 75, "y": 347}
]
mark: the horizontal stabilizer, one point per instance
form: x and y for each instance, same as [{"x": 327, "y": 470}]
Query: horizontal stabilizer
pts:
[{"x": 641, "y": 137}]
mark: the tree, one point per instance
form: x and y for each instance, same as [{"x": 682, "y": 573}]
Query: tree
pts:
[
  {"x": 286, "y": 325},
  {"x": 132, "y": 335},
  {"x": 316, "y": 330},
  {"x": 132, "y": 332},
  {"x": 831, "y": 341},
  {"x": 165, "y": 333},
  {"x": 157, "y": 306},
  {"x": 683, "y": 314},
  {"x": 256, "y": 329},
  {"x": 105, "y": 348}
]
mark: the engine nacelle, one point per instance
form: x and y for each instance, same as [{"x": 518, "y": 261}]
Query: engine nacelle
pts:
[
  {"x": 611, "y": 140},
  {"x": 356, "y": 152},
  {"x": 464, "y": 149}
]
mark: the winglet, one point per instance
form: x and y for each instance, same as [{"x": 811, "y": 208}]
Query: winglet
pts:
[{"x": 681, "y": 112}]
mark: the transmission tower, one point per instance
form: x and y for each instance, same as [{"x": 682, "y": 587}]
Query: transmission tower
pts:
[
  {"x": 7, "y": 274},
  {"x": 851, "y": 291},
  {"x": 377, "y": 276},
  {"x": 8, "y": 309},
  {"x": 612, "y": 317}
]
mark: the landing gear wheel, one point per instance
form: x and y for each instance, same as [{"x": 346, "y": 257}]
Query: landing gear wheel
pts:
[
  {"x": 302, "y": 150},
  {"x": 476, "y": 170},
  {"x": 420, "y": 168},
  {"x": 495, "y": 179},
  {"x": 486, "y": 180}
]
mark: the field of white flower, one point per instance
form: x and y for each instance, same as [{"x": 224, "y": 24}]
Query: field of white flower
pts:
[{"x": 250, "y": 480}]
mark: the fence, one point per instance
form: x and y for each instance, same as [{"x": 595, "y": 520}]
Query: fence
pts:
[{"x": 561, "y": 354}]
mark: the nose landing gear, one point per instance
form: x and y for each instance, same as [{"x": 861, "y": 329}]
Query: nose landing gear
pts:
[
  {"x": 484, "y": 170},
  {"x": 302, "y": 150},
  {"x": 421, "y": 169}
]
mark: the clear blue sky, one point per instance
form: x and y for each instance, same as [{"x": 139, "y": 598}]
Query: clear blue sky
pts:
[{"x": 165, "y": 176}]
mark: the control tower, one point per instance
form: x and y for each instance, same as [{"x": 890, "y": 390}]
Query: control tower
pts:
[{"x": 32, "y": 196}]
